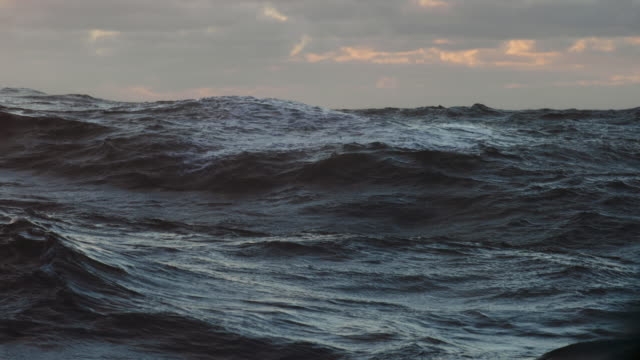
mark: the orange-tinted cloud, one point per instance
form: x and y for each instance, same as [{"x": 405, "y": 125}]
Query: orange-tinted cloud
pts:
[
  {"x": 272, "y": 13},
  {"x": 633, "y": 40},
  {"x": 101, "y": 42},
  {"x": 387, "y": 83},
  {"x": 465, "y": 57},
  {"x": 523, "y": 53},
  {"x": 442, "y": 42},
  {"x": 349, "y": 54},
  {"x": 520, "y": 47},
  {"x": 593, "y": 44},
  {"x": 365, "y": 55},
  {"x": 603, "y": 44},
  {"x": 625, "y": 79},
  {"x": 297, "y": 48},
  {"x": 99, "y": 34},
  {"x": 513, "y": 53},
  {"x": 432, "y": 4}
]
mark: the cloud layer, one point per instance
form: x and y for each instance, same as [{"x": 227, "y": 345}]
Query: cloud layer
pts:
[{"x": 338, "y": 53}]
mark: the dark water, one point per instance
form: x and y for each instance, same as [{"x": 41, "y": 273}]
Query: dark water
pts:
[{"x": 242, "y": 228}]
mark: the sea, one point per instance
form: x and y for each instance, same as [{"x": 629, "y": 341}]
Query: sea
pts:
[{"x": 247, "y": 228}]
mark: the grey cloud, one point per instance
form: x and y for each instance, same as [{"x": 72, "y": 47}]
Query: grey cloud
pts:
[
  {"x": 495, "y": 19},
  {"x": 348, "y": 20},
  {"x": 133, "y": 15}
]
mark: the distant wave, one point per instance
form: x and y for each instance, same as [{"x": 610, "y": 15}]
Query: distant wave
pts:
[{"x": 163, "y": 155}]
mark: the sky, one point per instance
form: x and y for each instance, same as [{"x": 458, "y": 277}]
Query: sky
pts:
[{"x": 510, "y": 54}]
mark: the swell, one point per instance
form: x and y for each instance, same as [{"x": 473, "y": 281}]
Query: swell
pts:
[
  {"x": 566, "y": 198},
  {"x": 476, "y": 110},
  {"x": 17, "y": 127},
  {"x": 44, "y": 275},
  {"x": 159, "y": 145},
  {"x": 53, "y": 293},
  {"x": 139, "y": 159},
  {"x": 164, "y": 333},
  {"x": 252, "y": 172}
]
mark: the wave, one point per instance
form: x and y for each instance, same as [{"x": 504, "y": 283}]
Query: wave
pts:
[
  {"x": 476, "y": 110},
  {"x": 245, "y": 172},
  {"x": 16, "y": 128},
  {"x": 193, "y": 338},
  {"x": 296, "y": 217},
  {"x": 19, "y": 91},
  {"x": 188, "y": 146},
  {"x": 54, "y": 292},
  {"x": 37, "y": 260},
  {"x": 99, "y": 153}
]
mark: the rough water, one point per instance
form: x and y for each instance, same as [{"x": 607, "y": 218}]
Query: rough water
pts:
[{"x": 244, "y": 228}]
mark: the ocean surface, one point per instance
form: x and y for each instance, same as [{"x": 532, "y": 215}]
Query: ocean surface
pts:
[{"x": 245, "y": 228}]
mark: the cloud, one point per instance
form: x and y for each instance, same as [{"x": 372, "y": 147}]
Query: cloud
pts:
[
  {"x": 387, "y": 83},
  {"x": 603, "y": 44},
  {"x": 96, "y": 35},
  {"x": 465, "y": 57},
  {"x": 513, "y": 53},
  {"x": 430, "y": 4},
  {"x": 348, "y": 54},
  {"x": 619, "y": 80},
  {"x": 526, "y": 49},
  {"x": 594, "y": 44},
  {"x": 173, "y": 45},
  {"x": 442, "y": 42},
  {"x": 98, "y": 38},
  {"x": 297, "y": 48},
  {"x": 520, "y": 47},
  {"x": 272, "y": 13}
]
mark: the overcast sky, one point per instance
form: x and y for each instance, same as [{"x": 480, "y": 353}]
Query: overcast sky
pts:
[{"x": 334, "y": 53}]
